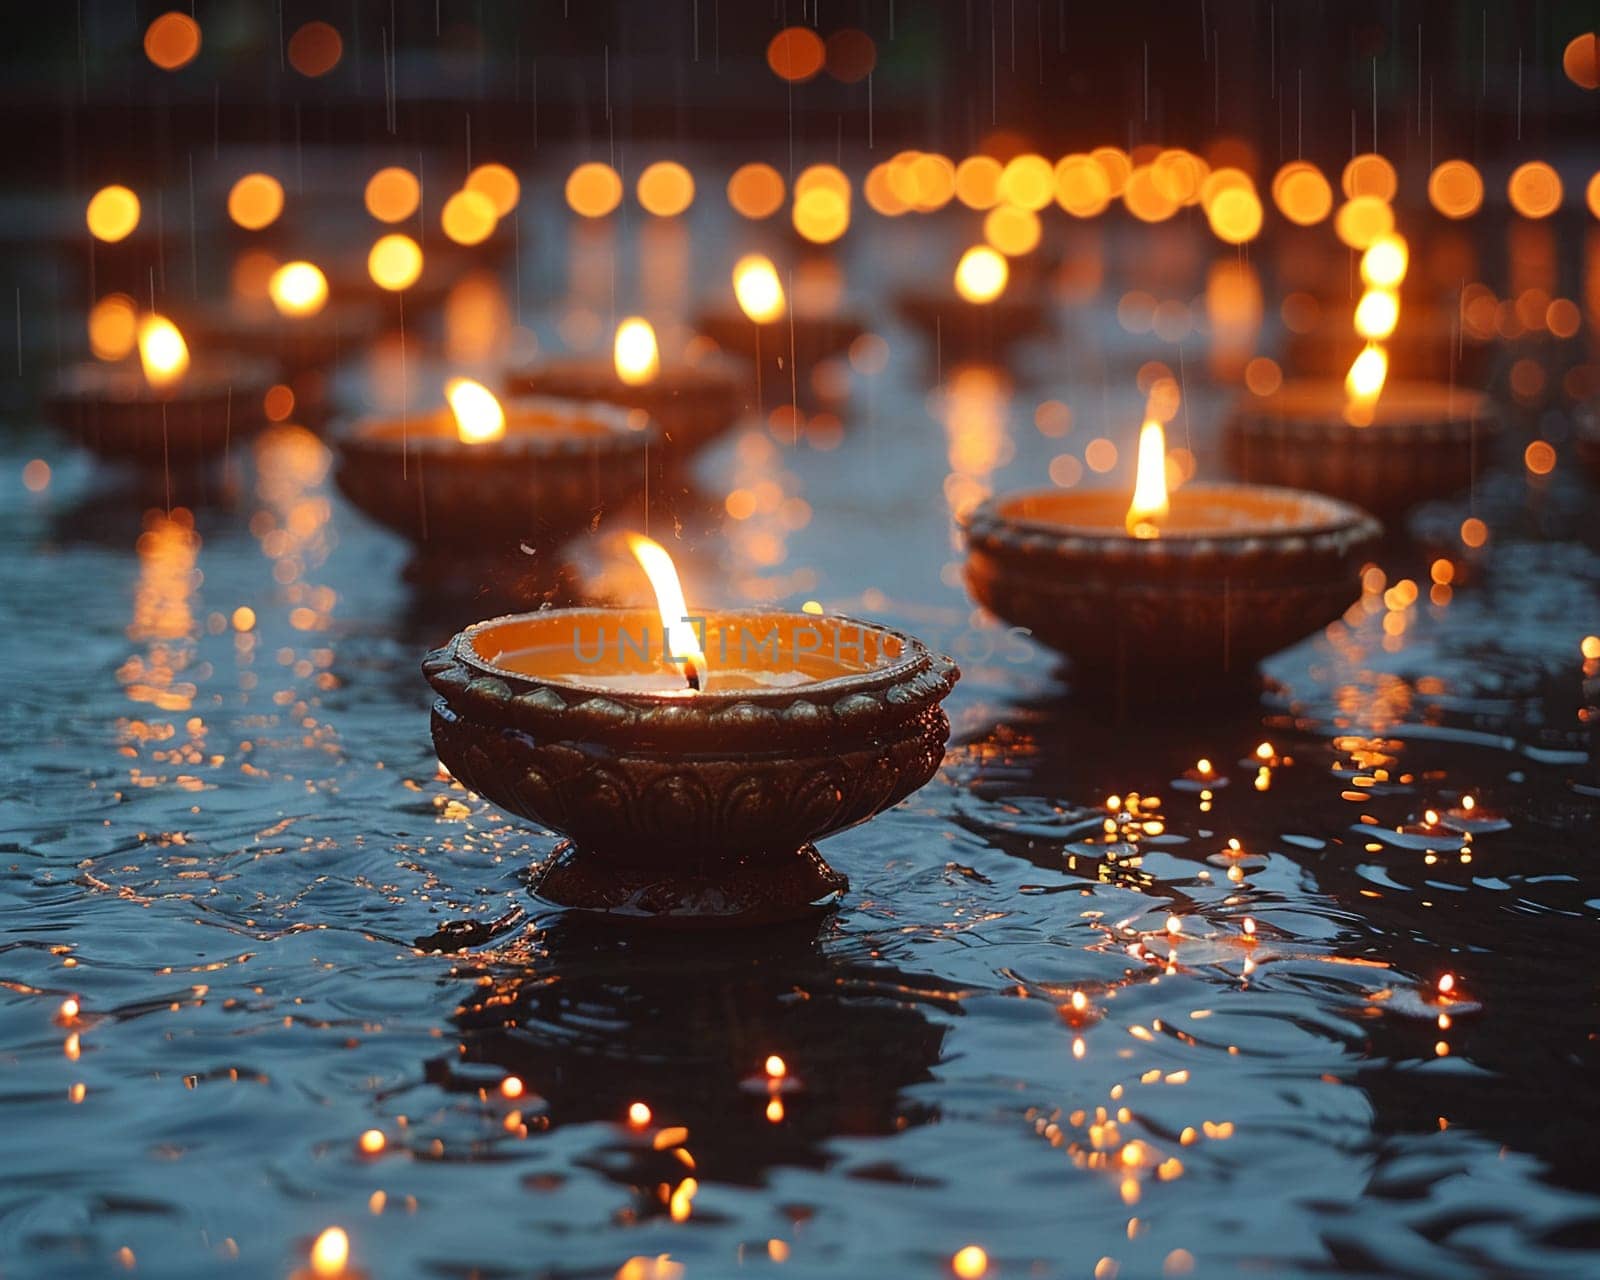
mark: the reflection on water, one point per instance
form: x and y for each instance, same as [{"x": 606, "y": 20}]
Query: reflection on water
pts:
[{"x": 1288, "y": 987}]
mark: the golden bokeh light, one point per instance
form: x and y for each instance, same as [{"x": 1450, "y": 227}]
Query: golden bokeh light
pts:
[
  {"x": 1361, "y": 221},
  {"x": 1082, "y": 187},
  {"x": 1116, "y": 165},
  {"x": 634, "y": 353},
  {"x": 822, "y": 177},
  {"x": 1011, "y": 230},
  {"x": 395, "y": 262},
  {"x": 1455, "y": 188},
  {"x": 1220, "y": 180},
  {"x": 113, "y": 214},
  {"x": 757, "y": 288},
  {"x": 665, "y": 189},
  {"x": 298, "y": 289},
  {"x": 113, "y": 327},
  {"x": 1534, "y": 189},
  {"x": 796, "y": 54},
  {"x": 981, "y": 274},
  {"x": 393, "y": 194},
  {"x": 1591, "y": 194},
  {"x": 255, "y": 201},
  {"x": 821, "y": 214},
  {"x": 978, "y": 182},
  {"x": 468, "y": 217},
  {"x": 163, "y": 354},
  {"x": 498, "y": 183},
  {"x": 1145, "y": 200},
  {"x": 1235, "y": 215},
  {"x": 879, "y": 189},
  {"x": 172, "y": 41},
  {"x": 756, "y": 191},
  {"x": 594, "y": 189},
  {"x": 315, "y": 49},
  {"x": 1028, "y": 181},
  {"x": 1369, "y": 174},
  {"x": 1581, "y": 61},
  {"x": 932, "y": 179},
  {"x": 1539, "y": 457},
  {"x": 1179, "y": 175},
  {"x": 1302, "y": 194},
  {"x": 478, "y": 414}
]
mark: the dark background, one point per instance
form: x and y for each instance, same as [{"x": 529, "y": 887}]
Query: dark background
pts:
[{"x": 1481, "y": 81}]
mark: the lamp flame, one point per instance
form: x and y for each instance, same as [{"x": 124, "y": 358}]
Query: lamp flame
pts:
[
  {"x": 758, "y": 289},
  {"x": 479, "y": 417},
  {"x": 330, "y": 1253},
  {"x": 1377, "y": 314},
  {"x": 1149, "y": 506},
  {"x": 298, "y": 289},
  {"x": 163, "y": 353},
  {"x": 1364, "y": 384},
  {"x": 981, "y": 275},
  {"x": 682, "y": 641},
  {"x": 635, "y": 353}
]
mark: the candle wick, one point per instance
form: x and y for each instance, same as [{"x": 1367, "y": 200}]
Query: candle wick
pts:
[{"x": 691, "y": 673}]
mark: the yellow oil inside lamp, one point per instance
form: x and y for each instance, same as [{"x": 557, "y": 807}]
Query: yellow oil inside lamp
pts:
[
  {"x": 981, "y": 275},
  {"x": 758, "y": 289},
  {"x": 479, "y": 416},
  {"x": 163, "y": 354},
  {"x": 682, "y": 641},
  {"x": 298, "y": 289},
  {"x": 635, "y": 352}
]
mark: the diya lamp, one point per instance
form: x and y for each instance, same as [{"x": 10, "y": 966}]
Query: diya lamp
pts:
[
  {"x": 692, "y": 404},
  {"x": 157, "y": 405},
  {"x": 779, "y": 332},
  {"x": 487, "y": 478},
  {"x": 690, "y": 758},
  {"x": 983, "y": 311},
  {"x": 1385, "y": 444},
  {"x": 1175, "y": 593}
]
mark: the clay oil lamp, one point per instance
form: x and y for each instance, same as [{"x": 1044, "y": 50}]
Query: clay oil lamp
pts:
[
  {"x": 1384, "y": 444},
  {"x": 692, "y": 404},
  {"x": 779, "y": 332},
  {"x": 157, "y": 406},
  {"x": 690, "y": 759},
  {"x": 983, "y": 312},
  {"x": 1174, "y": 595},
  {"x": 487, "y": 478}
]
